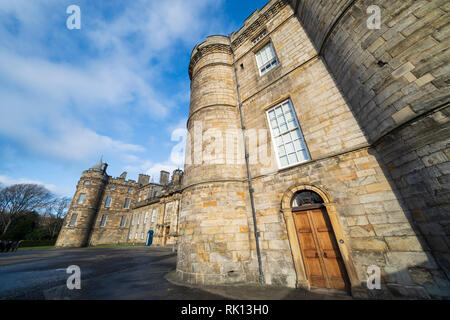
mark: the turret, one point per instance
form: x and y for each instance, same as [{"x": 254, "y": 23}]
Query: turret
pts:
[
  {"x": 214, "y": 173},
  {"x": 83, "y": 210}
]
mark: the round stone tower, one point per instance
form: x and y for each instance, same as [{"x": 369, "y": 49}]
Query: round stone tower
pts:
[
  {"x": 214, "y": 219},
  {"x": 77, "y": 229}
]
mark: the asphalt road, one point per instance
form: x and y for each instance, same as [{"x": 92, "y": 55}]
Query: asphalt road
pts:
[{"x": 106, "y": 273}]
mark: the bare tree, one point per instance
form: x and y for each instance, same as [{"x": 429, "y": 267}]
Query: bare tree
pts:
[
  {"x": 54, "y": 215},
  {"x": 18, "y": 199}
]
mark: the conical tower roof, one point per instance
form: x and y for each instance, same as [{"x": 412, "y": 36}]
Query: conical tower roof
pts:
[{"x": 99, "y": 164}]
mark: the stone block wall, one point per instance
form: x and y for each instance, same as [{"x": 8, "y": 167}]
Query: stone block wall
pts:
[
  {"x": 215, "y": 246},
  {"x": 111, "y": 232},
  {"x": 395, "y": 80}
]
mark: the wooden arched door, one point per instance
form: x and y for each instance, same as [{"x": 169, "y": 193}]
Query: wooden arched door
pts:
[{"x": 323, "y": 262}]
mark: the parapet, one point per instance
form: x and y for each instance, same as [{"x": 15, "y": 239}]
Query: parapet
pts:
[
  {"x": 217, "y": 43},
  {"x": 257, "y": 20}
]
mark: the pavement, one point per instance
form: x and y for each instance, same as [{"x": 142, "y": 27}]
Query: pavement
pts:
[{"x": 127, "y": 273}]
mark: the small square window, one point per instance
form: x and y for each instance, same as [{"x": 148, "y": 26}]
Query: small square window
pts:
[
  {"x": 87, "y": 182},
  {"x": 259, "y": 37}
]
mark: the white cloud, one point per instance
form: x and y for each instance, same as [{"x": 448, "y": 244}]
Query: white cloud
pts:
[
  {"x": 7, "y": 181},
  {"x": 74, "y": 95},
  {"x": 176, "y": 158}
]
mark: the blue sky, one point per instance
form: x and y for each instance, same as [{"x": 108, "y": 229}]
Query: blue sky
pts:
[{"x": 118, "y": 87}]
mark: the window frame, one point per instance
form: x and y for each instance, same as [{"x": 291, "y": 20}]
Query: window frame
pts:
[
  {"x": 260, "y": 36},
  {"x": 259, "y": 49},
  {"x": 103, "y": 222},
  {"x": 110, "y": 201},
  {"x": 273, "y": 136},
  {"x": 123, "y": 222},
  {"x": 70, "y": 224},
  {"x": 125, "y": 206},
  {"x": 82, "y": 195}
]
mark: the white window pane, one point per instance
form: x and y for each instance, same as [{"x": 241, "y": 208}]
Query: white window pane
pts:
[
  {"x": 291, "y": 125},
  {"x": 283, "y": 161},
  {"x": 302, "y": 155},
  {"x": 265, "y": 56},
  {"x": 259, "y": 60},
  {"x": 298, "y": 145},
  {"x": 269, "y": 52},
  {"x": 295, "y": 134},
  {"x": 290, "y": 147},
  {"x": 293, "y": 158},
  {"x": 276, "y": 131},
  {"x": 278, "y": 141},
  {"x": 283, "y": 128},
  {"x": 288, "y": 116},
  {"x": 278, "y": 111},
  {"x": 286, "y": 108},
  {"x": 272, "y": 115},
  {"x": 274, "y": 124},
  {"x": 287, "y": 138},
  {"x": 281, "y": 151},
  {"x": 281, "y": 120}
]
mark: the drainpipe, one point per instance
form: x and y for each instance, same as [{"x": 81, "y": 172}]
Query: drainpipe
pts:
[{"x": 249, "y": 176}]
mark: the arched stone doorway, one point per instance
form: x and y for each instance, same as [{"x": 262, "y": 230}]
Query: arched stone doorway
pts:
[{"x": 319, "y": 248}]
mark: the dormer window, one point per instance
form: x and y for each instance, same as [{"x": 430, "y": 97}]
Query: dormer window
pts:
[{"x": 266, "y": 59}]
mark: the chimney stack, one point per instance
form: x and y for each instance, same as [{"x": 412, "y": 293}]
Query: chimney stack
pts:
[
  {"x": 177, "y": 177},
  {"x": 143, "y": 180},
  {"x": 164, "y": 178}
]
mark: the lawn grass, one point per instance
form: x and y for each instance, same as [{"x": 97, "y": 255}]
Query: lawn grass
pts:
[
  {"x": 41, "y": 247},
  {"x": 116, "y": 246},
  {"x": 93, "y": 247}
]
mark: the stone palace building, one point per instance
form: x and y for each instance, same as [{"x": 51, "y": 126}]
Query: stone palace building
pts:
[{"x": 345, "y": 169}]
